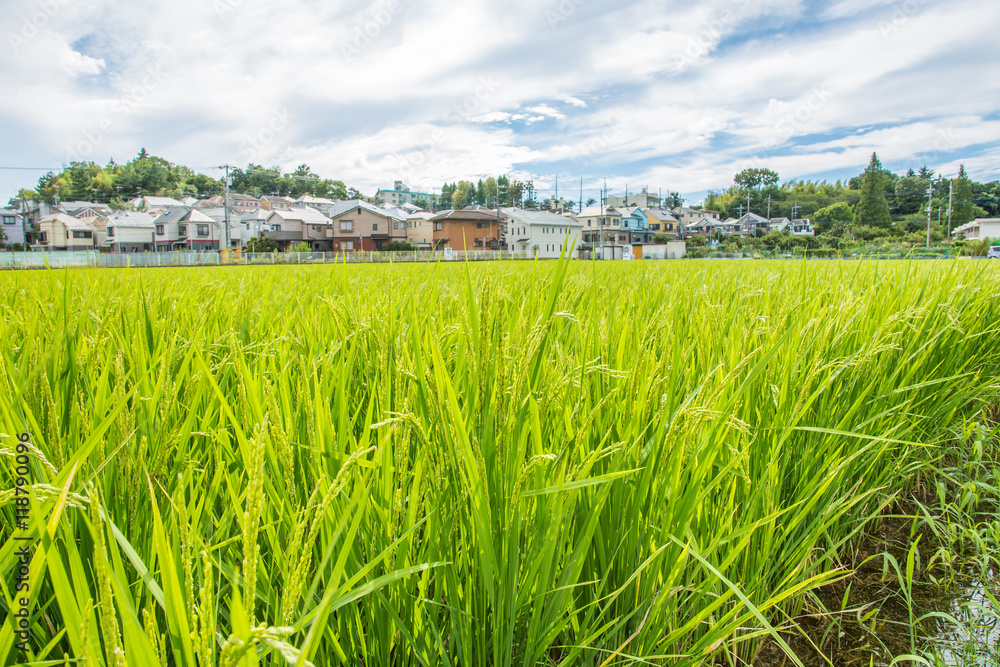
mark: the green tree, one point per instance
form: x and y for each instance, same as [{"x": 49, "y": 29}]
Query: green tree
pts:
[
  {"x": 911, "y": 192},
  {"x": 962, "y": 209},
  {"x": 872, "y": 208},
  {"x": 490, "y": 192},
  {"x": 839, "y": 212},
  {"x": 261, "y": 244},
  {"x": 463, "y": 194},
  {"x": 759, "y": 184},
  {"x": 661, "y": 238},
  {"x": 672, "y": 200},
  {"x": 301, "y": 246}
]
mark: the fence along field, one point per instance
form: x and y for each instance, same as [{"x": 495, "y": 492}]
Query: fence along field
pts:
[{"x": 467, "y": 464}]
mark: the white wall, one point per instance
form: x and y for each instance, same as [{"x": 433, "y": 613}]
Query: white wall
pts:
[{"x": 549, "y": 239}]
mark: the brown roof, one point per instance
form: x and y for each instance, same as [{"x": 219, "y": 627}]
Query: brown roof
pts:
[{"x": 472, "y": 214}]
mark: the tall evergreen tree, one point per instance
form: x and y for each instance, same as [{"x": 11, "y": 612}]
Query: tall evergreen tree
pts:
[
  {"x": 872, "y": 208},
  {"x": 962, "y": 209}
]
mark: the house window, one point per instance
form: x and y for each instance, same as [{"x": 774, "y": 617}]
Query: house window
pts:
[
  {"x": 438, "y": 226},
  {"x": 395, "y": 225},
  {"x": 111, "y": 232},
  {"x": 374, "y": 226},
  {"x": 159, "y": 230},
  {"x": 347, "y": 245},
  {"x": 317, "y": 228},
  {"x": 275, "y": 228},
  {"x": 8, "y": 220},
  {"x": 82, "y": 235},
  {"x": 346, "y": 225},
  {"x": 43, "y": 237},
  {"x": 202, "y": 230},
  {"x": 182, "y": 230}
]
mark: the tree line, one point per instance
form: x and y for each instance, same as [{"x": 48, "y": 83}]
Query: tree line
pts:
[
  {"x": 149, "y": 175},
  {"x": 874, "y": 205}
]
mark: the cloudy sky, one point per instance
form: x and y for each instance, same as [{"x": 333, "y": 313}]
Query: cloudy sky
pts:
[{"x": 669, "y": 94}]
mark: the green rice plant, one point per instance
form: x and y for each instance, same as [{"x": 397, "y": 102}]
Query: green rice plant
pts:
[{"x": 519, "y": 463}]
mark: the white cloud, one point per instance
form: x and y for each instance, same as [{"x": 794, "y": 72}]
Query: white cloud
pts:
[{"x": 662, "y": 92}]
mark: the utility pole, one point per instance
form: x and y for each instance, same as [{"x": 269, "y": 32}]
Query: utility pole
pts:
[
  {"x": 604, "y": 193},
  {"x": 225, "y": 233},
  {"x": 795, "y": 211},
  {"x": 930, "y": 201},
  {"x": 951, "y": 193},
  {"x": 498, "y": 215},
  {"x": 769, "y": 207},
  {"x": 94, "y": 190},
  {"x": 25, "y": 224},
  {"x": 580, "y": 203}
]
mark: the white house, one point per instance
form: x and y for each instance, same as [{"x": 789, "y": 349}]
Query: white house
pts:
[
  {"x": 420, "y": 229},
  {"x": 11, "y": 226},
  {"x": 977, "y": 230},
  {"x": 183, "y": 228},
  {"x": 129, "y": 231},
  {"x": 532, "y": 232},
  {"x": 63, "y": 232}
]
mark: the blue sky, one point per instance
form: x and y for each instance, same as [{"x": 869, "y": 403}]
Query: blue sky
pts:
[{"x": 660, "y": 94}]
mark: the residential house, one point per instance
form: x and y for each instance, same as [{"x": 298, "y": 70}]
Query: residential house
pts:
[
  {"x": 420, "y": 230},
  {"x": 358, "y": 225},
  {"x": 802, "y": 227},
  {"x": 129, "y": 231},
  {"x": 662, "y": 222},
  {"x": 687, "y": 216},
  {"x": 704, "y": 226},
  {"x": 236, "y": 235},
  {"x": 242, "y": 203},
  {"x": 64, "y": 232},
  {"x": 401, "y": 194},
  {"x": 642, "y": 199},
  {"x": 11, "y": 227},
  {"x": 321, "y": 204},
  {"x": 253, "y": 225},
  {"x": 153, "y": 205},
  {"x": 215, "y": 201},
  {"x": 185, "y": 228},
  {"x": 95, "y": 215},
  {"x": 275, "y": 203},
  {"x": 980, "y": 230},
  {"x": 754, "y": 225},
  {"x": 84, "y": 210},
  {"x": 541, "y": 234},
  {"x": 602, "y": 226},
  {"x": 300, "y": 225},
  {"x": 32, "y": 211},
  {"x": 635, "y": 223},
  {"x": 470, "y": 228}
]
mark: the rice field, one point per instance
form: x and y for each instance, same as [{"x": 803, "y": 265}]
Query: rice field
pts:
[{"x": 537, "y": 463}]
